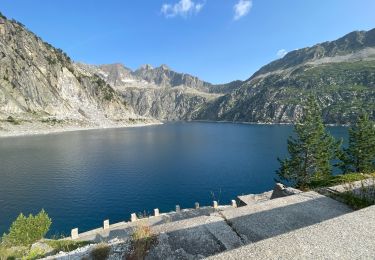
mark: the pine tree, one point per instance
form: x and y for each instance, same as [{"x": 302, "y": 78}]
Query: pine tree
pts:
[
  {"x": 360, "y": 155},
  {"x": 310, "y": 151}
]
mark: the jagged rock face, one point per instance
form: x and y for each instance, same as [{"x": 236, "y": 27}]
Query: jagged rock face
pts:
[
  {"x": 37, "y": 80},
  {"x": 160, "y": 92},
  {"x": 340, "y": 73},
  {"x": 178, "y": 103},
  {"x": 163, "y": 76}
]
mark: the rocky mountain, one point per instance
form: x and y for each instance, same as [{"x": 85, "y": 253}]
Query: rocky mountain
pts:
[
  {"x": 160, "y": 92},
  {"x": 340, "y": 73},
  {"x": 40, "y": 83}
]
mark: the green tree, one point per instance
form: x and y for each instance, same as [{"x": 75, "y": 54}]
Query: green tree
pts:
[
  {"x": 26, "y": 230},
  {"x": 310, "y": 151},
  {"x": 360, "y": 154}
]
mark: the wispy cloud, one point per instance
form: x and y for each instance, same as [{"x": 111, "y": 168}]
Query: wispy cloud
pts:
[
  {"x": 182, "y": 8},
  {"x": 242, "y": 8},
  {"x": 281, "y": 53}
]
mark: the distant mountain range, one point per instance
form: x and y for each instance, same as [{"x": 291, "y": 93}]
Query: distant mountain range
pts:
[
  {"x": 340, "y": 73},
  {"x": 38, "y": 81}
]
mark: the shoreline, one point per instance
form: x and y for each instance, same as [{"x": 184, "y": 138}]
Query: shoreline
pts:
[
  {"x": 256, "y": 123},
  {"x": 58, "y": 130},
  {"x": 47, "y": 130}
]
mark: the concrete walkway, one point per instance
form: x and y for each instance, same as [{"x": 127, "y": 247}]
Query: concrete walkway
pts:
[
  {"x": 305, "y": 225},
  {"x": 350, "y": 236}
]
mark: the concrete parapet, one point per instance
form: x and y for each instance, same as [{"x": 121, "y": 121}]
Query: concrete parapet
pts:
[
  {"x": 74, "y": 233},
  {"x": 106, "y": 224},
  {"x": 133, "y": 217}
]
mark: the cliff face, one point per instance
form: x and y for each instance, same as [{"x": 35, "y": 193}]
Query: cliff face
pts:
[
  {"x": 340, "y": 73},
  {"x": 160, "y": 92},
  {"x": 38, "y": 81}
]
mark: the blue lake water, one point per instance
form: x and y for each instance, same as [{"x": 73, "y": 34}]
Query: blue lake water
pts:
[{"x": 81, "y": 178}]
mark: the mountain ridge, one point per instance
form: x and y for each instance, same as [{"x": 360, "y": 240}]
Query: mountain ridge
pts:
[{"x": 38, "y": 81}]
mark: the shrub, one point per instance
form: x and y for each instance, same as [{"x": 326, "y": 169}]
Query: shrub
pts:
[
  {"x": 142, "y": 240},
  {"x": 66, "y": 245},
  {"x": 26, "y": 230},
  {"x": 100, "y": 252},
  {"x": 12, "y": 120}
]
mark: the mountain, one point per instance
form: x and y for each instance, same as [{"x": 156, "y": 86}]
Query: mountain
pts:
[
  {"x": 160, "y": 92},
  {"x": 340, "y": 73},
  {"x": 39, "y": 83}
]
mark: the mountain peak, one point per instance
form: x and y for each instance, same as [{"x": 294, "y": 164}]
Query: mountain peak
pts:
[
  {"x": 164, "y": 67},
  {"x": 146, "y": 67}
]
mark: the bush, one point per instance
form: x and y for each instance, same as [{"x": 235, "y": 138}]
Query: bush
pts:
[
  {"x": 66, "y": 245},
  {"x": 26, "y": 230},
  {"x": 142, "y": 240},
  {"x": 100, "y": 252},
  {"x": 12, "y": 120}
]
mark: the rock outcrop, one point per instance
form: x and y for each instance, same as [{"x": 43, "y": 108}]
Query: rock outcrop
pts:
[
  {"x": 340, "y": 73},
  {"x": 40, "y": 83}
]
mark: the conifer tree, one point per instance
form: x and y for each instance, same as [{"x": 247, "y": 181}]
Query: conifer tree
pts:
[
  {"x": 360, "y": 155},
  {"x": 310, "y": 151}
]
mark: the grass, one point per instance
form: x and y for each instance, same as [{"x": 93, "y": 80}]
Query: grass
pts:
[
  {"x": 66, "y": 245},
  {"x": 338, "y": 179},
  {"x": 100, "y": 252},
  {"x": 25, "y": 253},
  {"x": 142, "y": 240},
  {"x": 353, "y": 201}
]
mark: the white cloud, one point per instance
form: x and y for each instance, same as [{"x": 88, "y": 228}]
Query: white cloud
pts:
[
  {"x": 281, "y": 53},
  {"x": 242, "y": 8},
  {"x": 182, "y": 8}
]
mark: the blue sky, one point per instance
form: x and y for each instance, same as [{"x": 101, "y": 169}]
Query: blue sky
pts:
[{"x": 217, "y": 40}]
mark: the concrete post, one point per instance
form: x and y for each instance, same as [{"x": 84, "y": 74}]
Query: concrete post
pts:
[
  {"x": 156, "y": 212},
  {"x": 106, "y": 224},
  {"x": 74, "y": 233},
  {"x": 178, "y": 208},
  {"x": 133, "y": 217},
  {"x": 196, "y": 205},
  {"x": 234, "y": 204},
  {"x": 216, "y": 205}
]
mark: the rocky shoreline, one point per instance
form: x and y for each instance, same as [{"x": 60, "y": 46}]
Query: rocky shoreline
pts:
[{"x": 38, "y": 128}]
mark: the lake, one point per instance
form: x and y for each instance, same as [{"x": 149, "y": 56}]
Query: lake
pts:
[{"x": 81, "y": 178}]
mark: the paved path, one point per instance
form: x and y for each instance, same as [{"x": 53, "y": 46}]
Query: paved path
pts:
[{"x": 350, "y": 236}]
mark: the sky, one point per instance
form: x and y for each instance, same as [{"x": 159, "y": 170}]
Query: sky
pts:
[{"x": 216, "y": 40}]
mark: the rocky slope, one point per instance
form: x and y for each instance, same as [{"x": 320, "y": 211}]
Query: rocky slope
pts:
[
  {"x": 39, "y": 83},
  {"x": 160, "y": 92},
  {"x": 341, "y": 73}
]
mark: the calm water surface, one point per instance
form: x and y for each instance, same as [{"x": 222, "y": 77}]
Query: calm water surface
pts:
[{"x": 81, "y": 178}]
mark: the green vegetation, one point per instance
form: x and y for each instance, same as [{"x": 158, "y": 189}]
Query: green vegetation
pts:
[
  {"x": 142, "y": 240},
  {"x": 66, "y": 245},
  {"x": 333, "y": 180},
  {"x": 354, "y": 201},
  {"x": 360, "y": 155},
  {"x": 311, "y": 151},
  {"x": 26, "y": 230},
  {"x": 100, "y": 252},
  {"x": 103, "y": 89},
  {"x": 12, "y": 120}
]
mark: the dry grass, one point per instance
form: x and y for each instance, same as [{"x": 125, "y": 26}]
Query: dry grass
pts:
[
  {"x": 142, "y": 240},
  {"x": 100, "y": 252}
]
